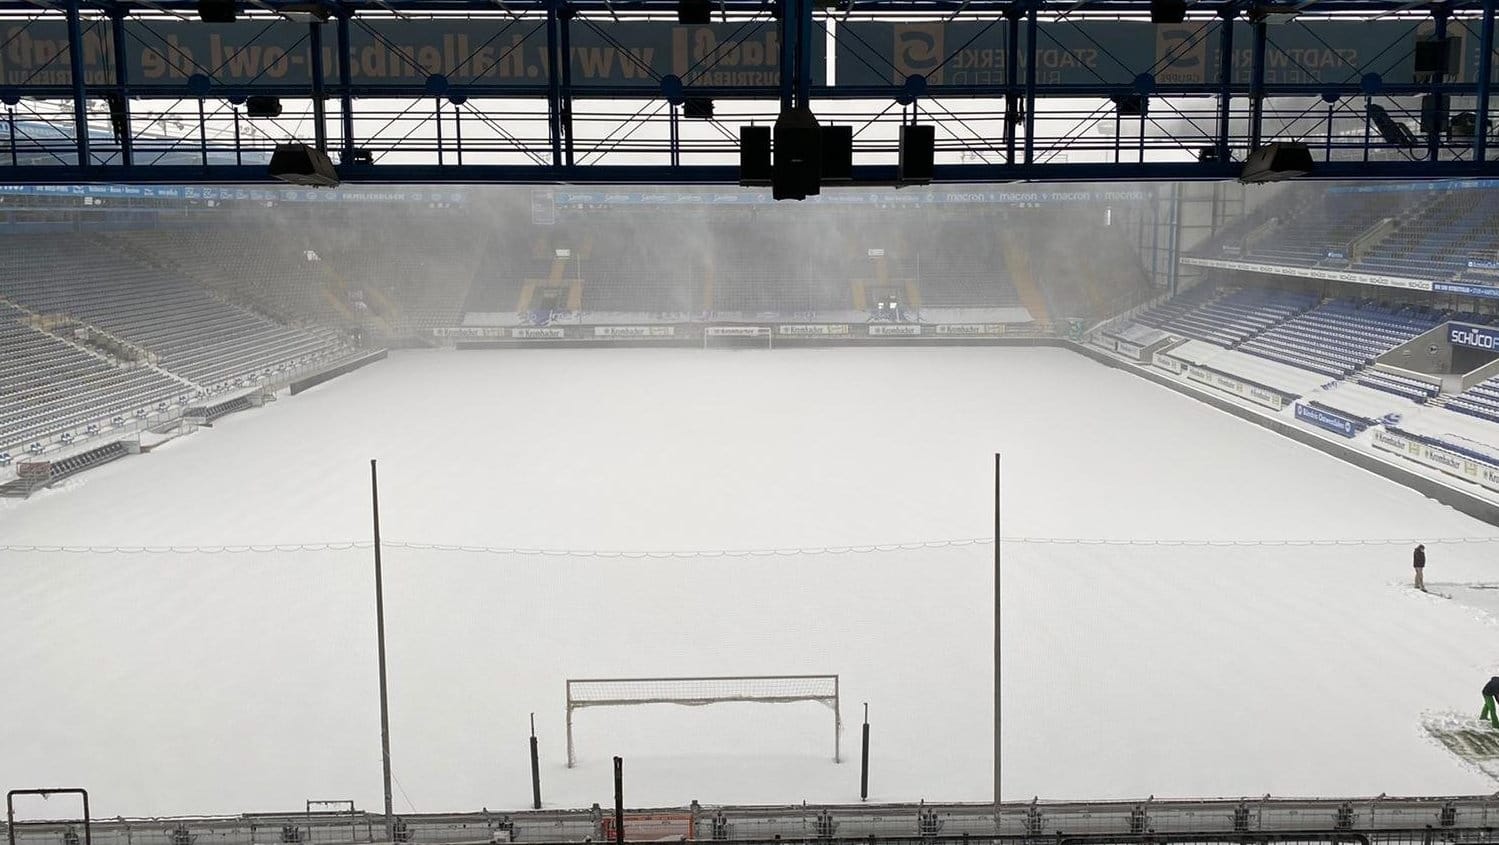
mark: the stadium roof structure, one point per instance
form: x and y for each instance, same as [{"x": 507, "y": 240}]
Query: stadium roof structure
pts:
[{"x": 476, "y": 91}]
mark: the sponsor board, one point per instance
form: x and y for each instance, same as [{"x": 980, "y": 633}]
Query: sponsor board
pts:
[
  {"x": 471, "y": 331},
  {"x": 1394, "y": 442},
  {"x": 972, "y": 329},
  {"x": 808, "y": 329},
  {"x": 1167, "y": 362},
  {"x": 651, "y": 827},
  {"x": 1311, "y": 273},
  {"x": 1473, "y": 337},
  {"x": 1326, "y": 420},
  {"x": 1128, "y": 349},
  {"x": 1482, "y": 264},
  {"x": 34, "y": 470},
  {"x": 1426, "y": 454},
  {"x": 634, "y": 331},
  {"x": 736, "y": 331},
  {"x": 538, "y": 333},
  {"x": 907, "y": 329},
  {"x": 1106, "y": 341},
  {"x": 1229, "y": 384},
  {"x": 1484, "y": 291},
  {"x": 199, "y": 192},
  {"x": 975, "y": 53},
  {"x": 405, "y": 51},
  {"x": 582, "y": 199}
]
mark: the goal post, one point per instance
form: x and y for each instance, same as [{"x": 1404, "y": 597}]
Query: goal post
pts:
[{"x": 697, "y": 692}]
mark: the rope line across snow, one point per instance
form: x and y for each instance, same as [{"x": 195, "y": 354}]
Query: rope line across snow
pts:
[{"x": 862, "y": 548}]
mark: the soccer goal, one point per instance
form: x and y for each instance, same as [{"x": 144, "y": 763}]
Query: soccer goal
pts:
[
  {"x": 738, "y": 337},
  {"x": 696, "y": 692}
]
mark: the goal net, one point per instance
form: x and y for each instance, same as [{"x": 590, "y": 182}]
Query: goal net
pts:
[
  {"x": 738, "y": 337},
  {"x": 696, "y": 692}
]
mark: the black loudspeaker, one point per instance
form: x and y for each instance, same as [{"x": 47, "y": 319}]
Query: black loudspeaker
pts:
[
  {"x": 300, "y": 164},
  {"x": 1463, "y": 125},
  {"x": 697, "y": 108},
  {"x": 262, "y": 106},
  {"x": 694, "y": 12},
  {"x": 1168, "y": 11},
  {"x": 1130, "y": 105},
  {"x": 754, "y": 155},
  {"x": 216, "y": 11},
  {"x": 116, "y": 105},
  {"x": 796, "y": 171},
  {"x": 837, "y": 153},
  {"x": 1391, "y": 130},
  {"x": 1277, "y": 162},
  {"x": 918, "y": 143},
  {"x": 1435, "y": 56},
  {"x": 1434, "y": 114}
]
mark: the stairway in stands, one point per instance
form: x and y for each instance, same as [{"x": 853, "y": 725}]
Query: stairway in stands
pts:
[{"x": 1017, "y": 261}]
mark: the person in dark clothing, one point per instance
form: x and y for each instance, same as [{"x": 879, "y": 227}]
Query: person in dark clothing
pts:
[
  {"x": 1490, "y": 711},
  {"x": 1419, "y": 562}
]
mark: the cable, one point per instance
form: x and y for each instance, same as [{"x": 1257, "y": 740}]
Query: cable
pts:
[{"x": 858, "y": 548}]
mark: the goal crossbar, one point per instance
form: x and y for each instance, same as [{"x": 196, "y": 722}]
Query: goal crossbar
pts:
[{"x": 701, "y": 691}]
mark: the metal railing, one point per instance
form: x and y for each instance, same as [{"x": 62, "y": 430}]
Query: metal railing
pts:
[{"x": 1367, "y": 821}]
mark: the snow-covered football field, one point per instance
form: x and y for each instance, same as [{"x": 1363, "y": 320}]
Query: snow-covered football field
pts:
[{"x": 206, "y": 682}]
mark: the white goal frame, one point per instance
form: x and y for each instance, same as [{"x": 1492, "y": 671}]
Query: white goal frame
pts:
[{"x": 700, "y": 691}]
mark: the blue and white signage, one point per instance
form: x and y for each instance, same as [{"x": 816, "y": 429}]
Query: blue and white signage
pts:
[
  {"x": 1485, "y": 291},
  {"x": 1323, "y": 419},
  {"x": 1473, "y": 337}
]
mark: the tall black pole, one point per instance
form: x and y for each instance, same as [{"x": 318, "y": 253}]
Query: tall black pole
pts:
[
  {"x": 380, "y": 646},
  {"x": 80, "y": 89},
  {"x": 864, "y": 759},
  {"x": 535, "y": 769},
  {"x": 997, "y": 660},
  {"x": 619, "y": 801}
]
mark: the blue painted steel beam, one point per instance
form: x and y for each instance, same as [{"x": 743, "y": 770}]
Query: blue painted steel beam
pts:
[
  {"x": 625, "y": 91},
  {"x": 790, "y": 25},
  {"x": 319, "y": 103},
  {"x": 1257, "y": 85},
  {"x": 345, "y": 90},
  {"x": 122, "y": 89},
  {"x": 80, "y": 91},
  {"x": 1485, "y": 70},
  {"x": 818, "y": 92},
  {"x": 1226, "y": 85},
  {"x": 864, "y": 175},
  {"x": 993, "y": 8},
  {"x": 1030, "y": 82},
  {"x": 1434, "y": 137},
  {"x": 565, "y": 13},
  {"x": 805, "y": 33},
  {"x": 1012, "y": 84},
  {"x": 554, "y": 82}
]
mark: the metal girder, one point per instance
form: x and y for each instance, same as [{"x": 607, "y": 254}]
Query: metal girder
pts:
[
  {"x": 1015, "y": 130},
  {"x": 941, "y": 8},
  {"x": 864, "y": 175}
]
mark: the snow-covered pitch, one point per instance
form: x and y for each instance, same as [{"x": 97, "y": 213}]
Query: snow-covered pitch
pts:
[{"x": 195, "y": 683}]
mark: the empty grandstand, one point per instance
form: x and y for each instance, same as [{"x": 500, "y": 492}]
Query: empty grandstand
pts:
[{"x": 124, "y": 306}]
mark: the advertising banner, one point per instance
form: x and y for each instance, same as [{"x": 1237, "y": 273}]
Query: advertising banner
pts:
[
  {"x": 969, "y": 53},
  {"x": 1328, "y": 420},
  {"x": 489, "y": 51},
  {"x": 1473, "y": 337},
  {"x": 906, "y": 329}
]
